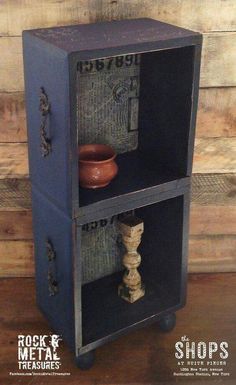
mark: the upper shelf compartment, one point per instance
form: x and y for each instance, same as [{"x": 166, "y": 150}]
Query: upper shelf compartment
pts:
[
  {"x": 141, "y": 105},
  {"x": 153, "y": 88}
]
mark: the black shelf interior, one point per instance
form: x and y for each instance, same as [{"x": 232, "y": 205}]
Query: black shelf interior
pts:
[
  {"x": 111, "y": 313},
  {"x": 103, "y": 312},
  {"x": 135, "y": 174}
]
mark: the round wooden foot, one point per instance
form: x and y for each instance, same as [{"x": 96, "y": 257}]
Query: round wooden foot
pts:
[
  {"x": 85, "y": 361},
  {"x": 167, "y": 323}
]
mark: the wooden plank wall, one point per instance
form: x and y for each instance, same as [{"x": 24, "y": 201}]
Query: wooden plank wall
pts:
[{"x": 213, "y": 210}]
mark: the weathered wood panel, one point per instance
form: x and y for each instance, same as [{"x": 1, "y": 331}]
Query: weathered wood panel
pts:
[
  {"x": 207, "y": 189},
  {"x": 199, "y": 15},
  {"x": 214, "y": 155},
  {"x": 218, "y": 62},
  {"x": 212, "y": 212},
  {"x": 15, "y": 195},
  {"x": 213, "y": 225},
  {"x": 11, "y": 64},
  {"x": 215, "y": 253},
  {"x": 13, "y": 160},
  {"x": 214, "y": 189},
  {"x": 16, "y": 259},
  {"x": 16, "y": 16},
  {"x": 216, "y": 112},
  {"x": 12, "y": 117},
  {"x": 15, "y": 225},
  {"x": 212, "y": 219}
]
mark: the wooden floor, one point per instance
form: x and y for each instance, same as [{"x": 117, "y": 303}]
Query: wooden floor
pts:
[{"x": 143, "y": 357}]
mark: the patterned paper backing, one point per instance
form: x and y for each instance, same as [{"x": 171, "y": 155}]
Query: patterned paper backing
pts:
[
  {"x": 102, "y": 249},
  {"x": 108, "y": 92}
]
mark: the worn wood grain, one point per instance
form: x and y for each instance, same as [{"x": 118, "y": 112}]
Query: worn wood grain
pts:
[
  {"x": 213, "y": 253},
  {"x": 11, "y": 64},
  {"x": 218, "y": 60},
  {"x": 15, "y": 195},
  {"x": 12, "y": 117},
  {"x": 214, "y": 189},
  {"x": 200, "y": 15},
  {"x": 214, "y": 155},
  {"x": 15, "y": 225},
  {"x": 216, "y": 115},
  {"x": 13, "y": 160},
  {"x": 16, "y": 16},
  {"x": 212, "y": 220},
  {"x": 217, "y": 69},
  {"x": 16, "y": 259},
  {"x": 142, "y": 357}
]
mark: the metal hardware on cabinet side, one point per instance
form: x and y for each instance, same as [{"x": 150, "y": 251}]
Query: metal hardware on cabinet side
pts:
[
  {"x": 52, "y": 283},
  {"x": 50, "y": 250},
  {"x": 44, "y": 108}
]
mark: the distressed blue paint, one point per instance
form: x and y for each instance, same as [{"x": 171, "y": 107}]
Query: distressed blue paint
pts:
[
  {"x": 50, "y": 223},
  {"x": 46, "y": 66}
]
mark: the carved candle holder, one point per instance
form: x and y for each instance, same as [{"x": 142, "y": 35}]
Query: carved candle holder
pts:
[{"x": 132, "y": 288}]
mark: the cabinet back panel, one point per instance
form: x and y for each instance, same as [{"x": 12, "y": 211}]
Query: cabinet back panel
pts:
[
  {"x": 165, "y": 107},
  {"x": 161, "y": 246},
  {"x": 101, "y": 248},
  {"x": 107, "y": 101}
]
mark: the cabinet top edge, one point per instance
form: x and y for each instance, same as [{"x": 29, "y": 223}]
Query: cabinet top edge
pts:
[{"x": 112, "y": 34}]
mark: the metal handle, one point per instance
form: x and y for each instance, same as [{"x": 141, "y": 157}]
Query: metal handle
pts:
[
  {"x": 52, "y": 282},
  {"x": 44, "y": 108}
]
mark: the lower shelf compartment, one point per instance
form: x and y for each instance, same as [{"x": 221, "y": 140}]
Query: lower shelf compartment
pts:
[
  {"x": 105, "y": 313},
  {"x": 163, "y": 269}
]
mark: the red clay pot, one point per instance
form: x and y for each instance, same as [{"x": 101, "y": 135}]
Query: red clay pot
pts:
[{"x": 97, "y": 166}]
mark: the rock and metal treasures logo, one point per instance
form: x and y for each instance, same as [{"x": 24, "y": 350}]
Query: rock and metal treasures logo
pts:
[
  {"x": 38, "y": 352},
  {"x": 38, "y": 356}
]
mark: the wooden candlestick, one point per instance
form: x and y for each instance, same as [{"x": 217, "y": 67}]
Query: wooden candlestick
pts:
[{"x": 132, "y": 288}]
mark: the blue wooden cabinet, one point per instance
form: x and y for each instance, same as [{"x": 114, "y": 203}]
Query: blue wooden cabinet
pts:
[{"x": 133, "y": 84}]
